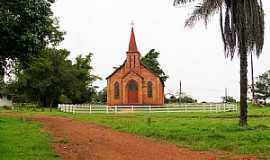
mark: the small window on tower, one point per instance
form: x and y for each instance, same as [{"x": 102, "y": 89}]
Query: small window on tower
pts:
[
  {"x": 116, "y": 90},
  {"x": 150, "y": 89}
]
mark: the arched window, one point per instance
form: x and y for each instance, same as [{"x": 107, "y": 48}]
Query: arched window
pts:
[
  {"x": 116, "y": 90},
  {"x": 149, "y": 89}
]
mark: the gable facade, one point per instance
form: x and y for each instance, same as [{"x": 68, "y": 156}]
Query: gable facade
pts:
[{"x": 133, "y": 83}]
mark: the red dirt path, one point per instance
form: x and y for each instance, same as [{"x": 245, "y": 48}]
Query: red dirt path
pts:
[{"x": 75, "y": 140}]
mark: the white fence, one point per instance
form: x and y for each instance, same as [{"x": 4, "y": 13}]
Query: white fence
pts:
[{"x": 89, "y": 108}]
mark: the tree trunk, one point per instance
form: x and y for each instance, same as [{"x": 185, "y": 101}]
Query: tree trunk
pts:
[
  {"x": 50, "y": 103},
  {"x": 252, "y": 80},
  {"x": 243, "y": 86}
]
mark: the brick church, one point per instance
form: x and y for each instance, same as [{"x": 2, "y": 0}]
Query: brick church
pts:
[{"x": 133, "y": 83}]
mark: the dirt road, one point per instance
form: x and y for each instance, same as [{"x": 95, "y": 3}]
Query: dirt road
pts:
[{"x": 75, "y": 140}]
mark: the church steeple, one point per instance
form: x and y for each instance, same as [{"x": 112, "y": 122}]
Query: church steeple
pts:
[
  {"x": 132, "y": 42},
  {"x": 133, "y": 55}
]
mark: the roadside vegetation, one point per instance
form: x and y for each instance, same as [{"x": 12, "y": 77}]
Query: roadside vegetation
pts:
[{"x": 23, "y": 140}]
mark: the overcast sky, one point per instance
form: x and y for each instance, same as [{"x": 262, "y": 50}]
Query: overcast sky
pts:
[{"x": 194, "y": 56}]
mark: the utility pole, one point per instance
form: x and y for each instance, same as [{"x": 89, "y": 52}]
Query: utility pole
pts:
[
  {"x": 226, "y": 95},
  {"x": 252, "y": 79},
  {"x": 180, "y": 91}
]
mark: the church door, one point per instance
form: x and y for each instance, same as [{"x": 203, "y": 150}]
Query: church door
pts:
[{"x": 132, "y": 92}]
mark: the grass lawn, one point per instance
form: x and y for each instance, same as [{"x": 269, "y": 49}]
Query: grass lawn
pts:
[
  {"x": 22, "y": 140},
  {"x": 198, "y": 131}
]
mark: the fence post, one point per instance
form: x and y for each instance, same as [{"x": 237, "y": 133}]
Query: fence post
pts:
[
  {"x": 185, "y": 108},
  {"x": 107, "y": 109},
  {"x": 90, "y": 108},
  {"x": 149, "y": 108},
  {"x": 72, "y": 108},
  {"x": 224, "y": 105},
  {"x": 132, "y": 108},
  {"x": 216, "y": 108},
  {"x": 115, "y": 109}
]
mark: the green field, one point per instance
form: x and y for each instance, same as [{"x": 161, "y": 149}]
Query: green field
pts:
[
  {"x": 23, "y": 140},
  {"x": 198, "y": 131}
]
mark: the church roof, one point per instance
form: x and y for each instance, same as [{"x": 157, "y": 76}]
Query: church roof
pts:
[
  {"x": 132, "y": 42},
  {"x": 117, "y": 69}
]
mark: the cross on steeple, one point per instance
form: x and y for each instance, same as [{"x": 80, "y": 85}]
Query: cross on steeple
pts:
[{"x": 132, "y": 24}]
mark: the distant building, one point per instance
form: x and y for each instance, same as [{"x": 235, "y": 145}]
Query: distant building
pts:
[
  {"x": 133, "y": 83},
  {"x": 5, "y": 100}
]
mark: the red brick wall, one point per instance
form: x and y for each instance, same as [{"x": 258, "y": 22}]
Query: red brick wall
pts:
[{"x": 141, "y": 75}]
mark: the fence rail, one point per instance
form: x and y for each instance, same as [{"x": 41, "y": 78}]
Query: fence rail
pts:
[{"x": 90, "y": 108}]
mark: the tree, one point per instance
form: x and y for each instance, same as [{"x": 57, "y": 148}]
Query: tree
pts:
[
  {"x": 242, "y": 29},
  {"x": 46, "y": 77},
  {"x": 102, "y": 96},
  {"x": 26, "y": 28},
  {"x": 228, "y": 99},
  {"x": 52, "y": 78},
  {"x": 150, "y": 60},
  {"x": 83, "y": 89},
  {"x": 184, "y": 99},
  {"x": 173, "y": 99},
  {"x": 187, "y": 99},
  {"x": 262, "y": 87}
]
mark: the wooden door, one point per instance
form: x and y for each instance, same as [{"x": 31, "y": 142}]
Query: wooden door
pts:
[{"x": 132, "y": 92}]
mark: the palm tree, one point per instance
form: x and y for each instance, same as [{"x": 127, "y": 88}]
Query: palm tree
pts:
[{"x": 242, "y": 30}]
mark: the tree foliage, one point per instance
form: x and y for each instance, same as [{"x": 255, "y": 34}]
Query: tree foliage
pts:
[
  {"x": 228, "y": 99},
  {"x": 242, "y": 30},
  {"x": 26, "y": 28},
  {"x": 45, "y": 77},
  {"x": 184, "y": 99},
  {"x": 82, "y": 89},
  {"x": 262, "y": 87},
  {"x": 102, "y": 96},
  {"x": 51, "y": 77},
  {"x": 150, "y": 60}
]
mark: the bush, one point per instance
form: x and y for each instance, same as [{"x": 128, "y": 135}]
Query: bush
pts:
[{"x": 7, "y": 107}]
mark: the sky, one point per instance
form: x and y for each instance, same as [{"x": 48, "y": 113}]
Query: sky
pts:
[{"x": 193, "y": 55}]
